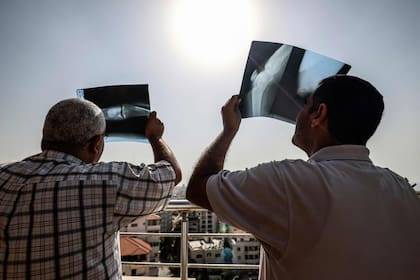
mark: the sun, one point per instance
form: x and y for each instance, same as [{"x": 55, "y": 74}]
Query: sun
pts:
[{"x": 210, "y": 32}]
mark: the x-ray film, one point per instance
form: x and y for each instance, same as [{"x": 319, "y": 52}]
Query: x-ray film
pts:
[
  {"x": 279, "y": 77},
  {"x": 126, "y": 109}
]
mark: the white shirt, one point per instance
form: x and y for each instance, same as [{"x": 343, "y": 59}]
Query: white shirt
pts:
[{"x": 335, "y": 216}]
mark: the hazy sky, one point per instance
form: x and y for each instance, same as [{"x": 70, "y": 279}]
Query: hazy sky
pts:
[{"x": 192, "y": 54}]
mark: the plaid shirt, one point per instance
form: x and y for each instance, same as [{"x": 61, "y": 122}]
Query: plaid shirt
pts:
[{"x": 59, "y": 217}]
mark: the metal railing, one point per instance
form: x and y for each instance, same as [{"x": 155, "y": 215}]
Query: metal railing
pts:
[{"x": 184, "y": 207}]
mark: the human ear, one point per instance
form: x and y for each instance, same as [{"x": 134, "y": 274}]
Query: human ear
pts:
[
  {"x": 319, "y": 115},
  {"x": 96, "y": 146}
]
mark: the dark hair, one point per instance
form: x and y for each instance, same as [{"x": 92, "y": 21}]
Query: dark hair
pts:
[{"x": 354, "y": 108}]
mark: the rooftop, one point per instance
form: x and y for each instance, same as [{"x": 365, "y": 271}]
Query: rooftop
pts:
[
  {"x": 153, "y": 217},
  {"x": 203, "y": 245},
  {"x": 132, "y": 246}
]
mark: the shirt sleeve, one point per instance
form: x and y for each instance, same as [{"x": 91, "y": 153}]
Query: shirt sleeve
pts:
[
  {"x": 252, "y": 201},
  {"x": 142, "y": 190},
  {"x": 279, "y": 202}
]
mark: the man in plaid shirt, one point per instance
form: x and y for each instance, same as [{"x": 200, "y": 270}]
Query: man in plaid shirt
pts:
[{"x": 60, "y": 210}]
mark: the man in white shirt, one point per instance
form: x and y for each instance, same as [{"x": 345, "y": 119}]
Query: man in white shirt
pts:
[{"x": 334, "y": 216}]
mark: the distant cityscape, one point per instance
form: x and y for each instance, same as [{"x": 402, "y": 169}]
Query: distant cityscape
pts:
[{"x": 208, "y": 250}]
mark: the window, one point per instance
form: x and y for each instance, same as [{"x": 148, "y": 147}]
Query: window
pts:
[{"x": 152, "y": 223}]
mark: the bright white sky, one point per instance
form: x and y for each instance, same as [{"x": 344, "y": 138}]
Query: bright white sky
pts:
[{"x": 192, "y": 54}]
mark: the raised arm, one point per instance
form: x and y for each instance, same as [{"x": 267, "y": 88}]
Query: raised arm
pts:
[
  {"x": 212, "y": 160},
  {"x": 161, "y": 150}
]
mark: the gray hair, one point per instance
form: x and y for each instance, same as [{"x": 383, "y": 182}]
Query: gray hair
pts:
[{"x": 73, "y": 121}]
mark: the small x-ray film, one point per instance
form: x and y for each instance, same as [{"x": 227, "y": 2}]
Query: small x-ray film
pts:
[
  {"x": 126, "y": 109},
  {"x": 279, "y": 77}
]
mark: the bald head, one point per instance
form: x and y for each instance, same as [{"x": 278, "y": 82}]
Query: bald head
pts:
[{"x": 73, "y": 122}]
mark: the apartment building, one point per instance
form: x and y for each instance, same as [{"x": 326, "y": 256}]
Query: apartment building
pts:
[
  {"x": 203, "y": 221},
  {"x": 148, "y": 224},
  {"x": 134, "y": 249},
  {"x": 245, "y": 250},
  {"x": 203, "y": 251}
]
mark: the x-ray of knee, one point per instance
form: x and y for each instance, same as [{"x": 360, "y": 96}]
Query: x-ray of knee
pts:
[
  {"x": 126, "y": 109},
  {"x": 279, "y": 77}
]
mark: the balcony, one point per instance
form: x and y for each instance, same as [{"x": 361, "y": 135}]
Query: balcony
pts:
[{"x": 184, "y": 208}]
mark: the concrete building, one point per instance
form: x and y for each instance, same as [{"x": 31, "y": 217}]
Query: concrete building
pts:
[
  {"x": 203, "y": 221},
  {"x": 246, "y": 250},
  {"x": 148, "y": 224},
  {"x": 202, "y": 251},
  {"x": 134, "y": 249}
]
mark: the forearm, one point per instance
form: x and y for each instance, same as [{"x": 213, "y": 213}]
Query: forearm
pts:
[
  {"x": 210, "y": 162},
  {"x": 161, "y": 151}
]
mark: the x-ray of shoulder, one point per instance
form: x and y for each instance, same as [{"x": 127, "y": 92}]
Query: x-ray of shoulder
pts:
[
  {"x": 126, "y": 109},
  {"x": 279, "y": 77}
]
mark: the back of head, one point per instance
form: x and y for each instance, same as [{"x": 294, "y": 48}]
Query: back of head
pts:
[
  {"x": 72, "y": 122},
  {"x": 354, "y": 108}
]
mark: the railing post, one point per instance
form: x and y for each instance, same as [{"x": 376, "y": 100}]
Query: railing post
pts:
[{"x": 184, "y": 246}]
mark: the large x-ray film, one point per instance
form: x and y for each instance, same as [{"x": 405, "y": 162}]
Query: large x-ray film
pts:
[
  {"x": 126, "y": 109},
  {"x": 279, "y": 77}
]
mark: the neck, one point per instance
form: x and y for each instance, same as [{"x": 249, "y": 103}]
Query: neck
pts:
[
  {"x": 320, "y": 143},
  {"x": 73, "y": 150}
]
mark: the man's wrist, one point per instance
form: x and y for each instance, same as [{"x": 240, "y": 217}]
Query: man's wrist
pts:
[{"x": 228, "y": 133}]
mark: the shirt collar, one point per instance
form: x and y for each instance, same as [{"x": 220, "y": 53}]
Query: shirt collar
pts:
[
  {"x": 57, "y": 156},
  {"x": 341, "y": 152}
]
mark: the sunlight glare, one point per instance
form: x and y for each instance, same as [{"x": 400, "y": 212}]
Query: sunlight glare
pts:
[{"x": 211, "y": 32}]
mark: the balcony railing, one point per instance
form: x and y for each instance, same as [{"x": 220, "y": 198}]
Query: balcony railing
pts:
[{"x": 185, "y": 207}]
